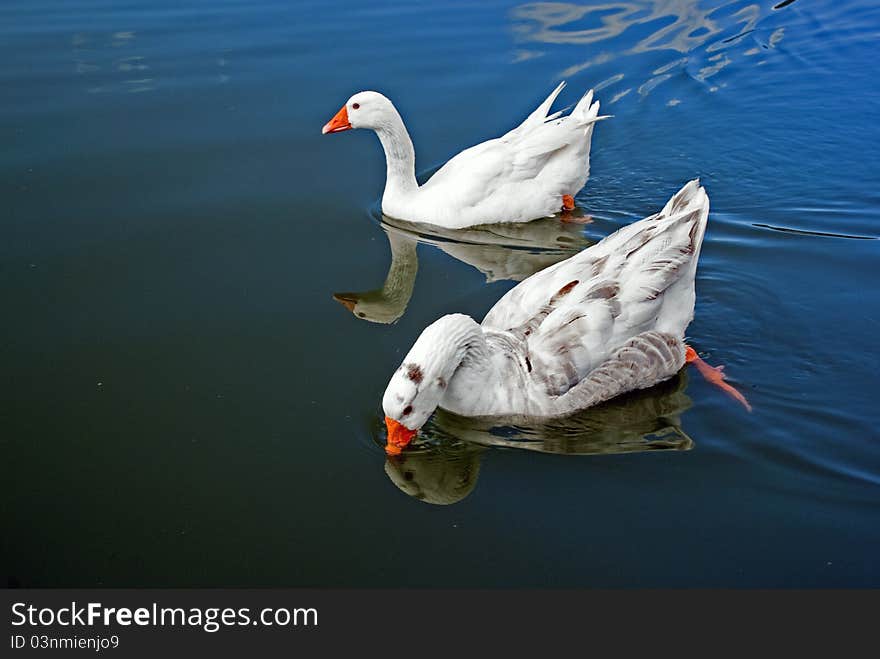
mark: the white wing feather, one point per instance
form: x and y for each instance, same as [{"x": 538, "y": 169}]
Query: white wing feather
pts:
[
  {"x": 549, "y": 152},
  {"x": 578, "y": 314}
]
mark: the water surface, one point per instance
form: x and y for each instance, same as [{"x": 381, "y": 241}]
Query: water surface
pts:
[{"x": 186, "y": 404}]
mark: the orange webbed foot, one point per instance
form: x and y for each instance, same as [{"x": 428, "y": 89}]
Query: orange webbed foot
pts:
[
  {"x": 572, "y": 218},
  {"x": 715, "y": 375}
]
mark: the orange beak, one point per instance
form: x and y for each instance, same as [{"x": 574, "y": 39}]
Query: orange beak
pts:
[
  {"x": 347, "y": 300},
  {"x": 398, "y": 436},
  {"x": 338, "y": 123}
]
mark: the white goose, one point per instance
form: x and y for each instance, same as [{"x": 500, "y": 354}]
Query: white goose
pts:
[
  {"x": 533, "y": 171},
  {"x": 608, "y": 320}
]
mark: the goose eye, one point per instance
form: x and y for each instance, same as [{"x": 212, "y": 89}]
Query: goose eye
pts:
[
  {"x": 407, "y": 410},
  {"x": 355, "y": 106}
]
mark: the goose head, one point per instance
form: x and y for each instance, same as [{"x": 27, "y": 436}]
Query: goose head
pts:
[
  {"x": 373, "y": 306},
  {"x": 420, "y": 382},
  {"x": 363, "y": 110},
  {"x": 412, "y": 395}
]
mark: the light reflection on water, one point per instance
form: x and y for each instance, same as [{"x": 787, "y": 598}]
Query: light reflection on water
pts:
[
  {"x": 110, "y": 63},
  {"x": 106, "y": 59},
  {"x": 706, "y": 35}
]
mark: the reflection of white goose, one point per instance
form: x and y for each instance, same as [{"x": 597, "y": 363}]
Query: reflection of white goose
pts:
[
  {"x": 608, "y": 320},
  {"x": 387, "y": 304},
  {"x": 442, "y": 467},
  {"x": 501, "y": 251},
  {"x": 532, "y": 171}
]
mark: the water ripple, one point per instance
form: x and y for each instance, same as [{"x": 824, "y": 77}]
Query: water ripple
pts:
[
  {"x": 640, "y": 27},
  {"x": 804, "y": 232}
]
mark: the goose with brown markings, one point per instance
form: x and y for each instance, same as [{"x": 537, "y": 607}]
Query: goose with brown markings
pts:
[{"x": 608, "y": 320}]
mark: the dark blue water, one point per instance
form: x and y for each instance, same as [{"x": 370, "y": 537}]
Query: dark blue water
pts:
[{"x": 185, "y": 403}]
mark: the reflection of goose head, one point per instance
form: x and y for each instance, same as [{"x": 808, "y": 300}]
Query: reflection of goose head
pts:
[
  {"x": 443, "y": 465},
  {"x": 387, "y": 304},
  {"x": 441, "y": 475},
  {"x": 503, "y": 251}
]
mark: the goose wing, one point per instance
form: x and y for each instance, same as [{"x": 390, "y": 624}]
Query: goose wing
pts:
[
  {"x": 518, "y": 156},
  {"x": 575, "y": 316}
]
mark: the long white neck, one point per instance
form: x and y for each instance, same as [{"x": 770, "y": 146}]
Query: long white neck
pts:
[
  {"x": 457, "y": 346},
  {"x": 400, "y": 157},
  {"x": 451, "y": 354}
]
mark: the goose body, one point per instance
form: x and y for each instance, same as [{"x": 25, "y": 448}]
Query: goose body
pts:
[
  {"x": 608, "y": 320},
  {"x": 518, "y": 177}
]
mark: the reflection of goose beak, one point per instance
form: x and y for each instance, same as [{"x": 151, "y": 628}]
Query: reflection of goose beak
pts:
[
  {"x": 399, "y": 436},
  {"x": 347, "y": 300}
]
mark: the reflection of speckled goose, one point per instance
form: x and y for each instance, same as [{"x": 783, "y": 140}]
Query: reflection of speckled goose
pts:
[
  {"x": 645, "y": 420},
  {"x": 442, "y": 466},
  {"x": 502, "y": 251},
  {"x": 441, "y": 475},
  {"x": 608, "y": 320}
]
